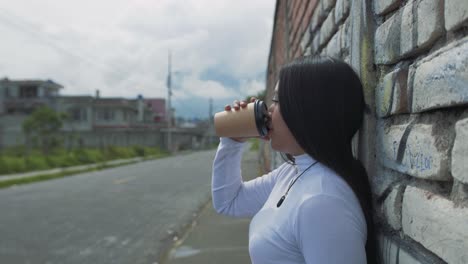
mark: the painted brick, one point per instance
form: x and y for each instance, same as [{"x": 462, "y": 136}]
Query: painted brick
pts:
[
  {"x": 430, "y": 17},
  {"x": 408, "y": 30},
  {"x": 327, "y": 29},
  {"x": 334, "y": 47},
  {"x": 459, "y": 194},
  {"x": 387, "y": 40},
  {"x": 460, "y": 151},
  {"x": 318, "y": 17},
  {"x": 419, "y": 30},
  {"x": 345, "y": 37},
  {"x": 384, "y": 179},
  {"x": 393, "y": 253},
  {"x": 328, "y": 4},
  {"x": 391, "y": 94},
  {"x": 456, "y": 13},
  {"x": 414, "y": 150},
  {"x": 305, "y": 42},
  {"x": 436, "y": 223},
  {"x": 341, "y": 10},
  {"x": 315, "y": 43},
  {"x": 392, "y": 207},
  {"x": 384, "y": 6},
  {"x": 441, "y": 80}
]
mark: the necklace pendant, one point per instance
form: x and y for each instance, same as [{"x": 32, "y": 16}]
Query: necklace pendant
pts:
[{"x": 280, "y": 202}]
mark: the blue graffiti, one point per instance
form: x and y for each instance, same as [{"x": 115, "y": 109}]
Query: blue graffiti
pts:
[{"x": 413, "y": 159}]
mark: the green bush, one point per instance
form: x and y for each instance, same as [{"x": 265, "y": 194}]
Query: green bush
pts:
[
  {"x": 115, "y": 152},
  {"x": 65, "y": 160},
  {"x": 140, "y": 151},
  {"x": 36, "y": 162},
  {"x": 15, "y": 160},
  {"x": 12, "y": 164},
  {"x": 85, "y": 156}
]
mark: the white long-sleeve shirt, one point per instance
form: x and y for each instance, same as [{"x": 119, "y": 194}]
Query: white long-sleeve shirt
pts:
[{"x": 320, "y": 221}]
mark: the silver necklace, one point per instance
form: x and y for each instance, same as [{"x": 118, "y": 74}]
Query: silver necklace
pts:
[{"x": 281, "y": 200}]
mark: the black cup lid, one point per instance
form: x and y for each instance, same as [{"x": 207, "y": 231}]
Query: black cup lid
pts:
[{"x": 261, "y": 117}]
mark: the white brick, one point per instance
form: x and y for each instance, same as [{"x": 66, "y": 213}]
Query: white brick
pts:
[
  {"x": 434, "y": 222},
  {"x": 391, "y": 94},
  {"x": 384, "y": 179},
  {"x": 387, "y": 40},
  {"x": 430, "y": 16},
  {"x": 345, "y": 36},
  {"x": 418, "y": 156},
  {"x": 392, "y": 252},
  {"x": 460, "y": 151},
  {"x": 384, "y": 6},
  {"x": 341, "y": 10},
  {"x": 333, "y": 47},
  {"x": 408, "y": 30},
  {"x": 392, "y": 207},
  {"x": 328, "y": 4},
  {"x": 327, "y": 29},
  {"x": 318, "y": 17},
  {"x": 456, "y": 13},
  {"x": 315, "y": 42},
  {"x": 441, "y": 80},
  {"x": 305, "y": 42}
]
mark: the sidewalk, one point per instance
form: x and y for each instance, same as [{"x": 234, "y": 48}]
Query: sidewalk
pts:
[{"x": 216, "y": 238}]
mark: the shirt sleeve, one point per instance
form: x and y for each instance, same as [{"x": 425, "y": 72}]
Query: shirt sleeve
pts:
[
  {"x": 327, "y": 232},
  {"x": 231, "y": 195}
]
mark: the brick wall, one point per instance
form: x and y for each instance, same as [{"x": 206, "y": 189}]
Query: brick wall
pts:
[{"x": 412, "y": 57}]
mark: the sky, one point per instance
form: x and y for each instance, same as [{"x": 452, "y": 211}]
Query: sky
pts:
[{"x": 219, "y": 49}]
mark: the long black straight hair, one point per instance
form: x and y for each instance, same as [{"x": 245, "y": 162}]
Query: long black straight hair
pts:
[{"x": 321, "y": 101}]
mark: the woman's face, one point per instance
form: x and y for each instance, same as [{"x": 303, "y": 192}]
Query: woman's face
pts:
[{"x": 281, "y": 138}]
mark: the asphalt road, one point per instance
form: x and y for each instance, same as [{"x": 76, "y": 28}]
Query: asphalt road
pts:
[{"x": 119, "y": 215}]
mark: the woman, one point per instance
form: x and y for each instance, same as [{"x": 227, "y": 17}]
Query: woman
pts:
[{"x": 315, "y": 208}]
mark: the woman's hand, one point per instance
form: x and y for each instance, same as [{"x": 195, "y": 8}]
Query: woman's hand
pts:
[{"x": 236, "y": 106}]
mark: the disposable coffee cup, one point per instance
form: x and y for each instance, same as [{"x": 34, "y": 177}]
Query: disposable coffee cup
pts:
[{"x": 251, "y": 121}]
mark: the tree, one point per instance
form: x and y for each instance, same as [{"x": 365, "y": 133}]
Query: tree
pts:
[
  {"x": 260, "y": 96},
  {"x": 42, "y": 129}
]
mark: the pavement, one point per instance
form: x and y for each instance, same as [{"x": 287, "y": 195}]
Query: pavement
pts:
[
  {"x": 120, "y": 215},
  {"x": 214, "y": 238}
]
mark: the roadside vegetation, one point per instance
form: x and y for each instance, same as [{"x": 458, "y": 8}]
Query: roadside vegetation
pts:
[
  {"x": 18, "y": 159},
  {"x": 44, "y": 147}
]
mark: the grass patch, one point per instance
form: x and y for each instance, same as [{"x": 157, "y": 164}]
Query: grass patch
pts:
[
  {"x": 18, "y": 160},
  {"x": 45, "y": 177}
]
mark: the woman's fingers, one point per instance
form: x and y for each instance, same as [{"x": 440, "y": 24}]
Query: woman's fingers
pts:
[{"x": 236, "y": 105}]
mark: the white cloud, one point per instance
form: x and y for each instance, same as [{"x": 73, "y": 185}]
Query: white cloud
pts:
[{"x": 121, "y": 47}]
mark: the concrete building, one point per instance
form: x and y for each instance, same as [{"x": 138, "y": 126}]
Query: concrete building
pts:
[
  {"x": 87, "y": 115},
  {"x": 412, "y": 57},
  {"x": 23, "y": 96}
]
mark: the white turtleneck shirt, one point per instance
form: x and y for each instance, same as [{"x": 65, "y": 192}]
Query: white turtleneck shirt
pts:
[{"x": 320, "y": 220}]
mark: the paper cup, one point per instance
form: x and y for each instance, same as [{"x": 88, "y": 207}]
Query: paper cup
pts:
[{"x": 250, "y": 121}]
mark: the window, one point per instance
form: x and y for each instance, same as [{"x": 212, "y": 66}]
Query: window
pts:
[
  {"x": 77, "y": 114},
  {"x": 105, "y": 114},
  {"x": 28, "y": 91}
]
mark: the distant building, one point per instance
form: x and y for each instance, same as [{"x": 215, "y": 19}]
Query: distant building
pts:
[
  {"x": 158, "y": 107},
  {"x": 23, "y": 96},
  {"x": 19, "y": 98}
]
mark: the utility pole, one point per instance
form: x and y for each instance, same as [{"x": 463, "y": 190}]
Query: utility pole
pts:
[
  {"x": 211, "y": 111},
  {"x": 210, "y": 120},
  {"x": 169, "y": 110}
]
